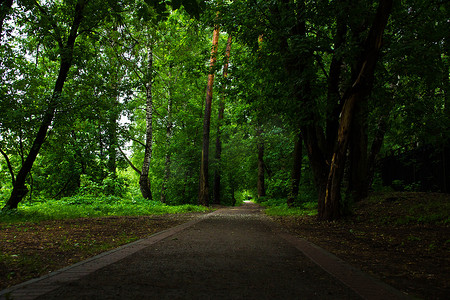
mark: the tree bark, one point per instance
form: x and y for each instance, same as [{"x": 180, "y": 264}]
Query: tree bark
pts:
[
  {"x": 296, "y": 170},
  {"x": 377, "y": 142},
  {"x": 361, "y": 88},
  {"x": 144, "y": 180},
  {"x": 203, "y": 195},
  {"x": 128, "y": 161},
  {"x": 169, "y": 126},
  {"x": 10, "y": 168},
  {"x": 66, "y": 53},
  {"x": 113, "y": 114},
  {"x": 261, "y": 188},
  {"x": 358, "y": 159},
  {"x": 217, "y": 173}
]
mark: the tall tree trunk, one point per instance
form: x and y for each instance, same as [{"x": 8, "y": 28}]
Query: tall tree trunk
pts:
[
  {"x": 112, "y": 144},
  {"x": 261, "y": 188},
  {"x": 334, "y": 102},
  {"x": 169, "y": 126},
  {"x": 144, "y": 180},
  {"x": 203, "y": 194},
  {"x": 217, "y": 173},
  {"x": 66, "y": 55},
  {"x": 360, "y": 89},
  {"x": 296, "y": 170},
  {"x": 377, "y": 142},
  {"x": 113, "y": 114},
  {"x": 358, "y": 159}
]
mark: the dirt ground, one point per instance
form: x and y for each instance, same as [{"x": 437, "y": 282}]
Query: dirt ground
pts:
[
  {"x": 29, "y": 250},
  {"x": 411, "y": 256}
]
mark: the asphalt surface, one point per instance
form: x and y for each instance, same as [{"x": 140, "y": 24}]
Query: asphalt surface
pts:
[{"x": 233, "y": 253}]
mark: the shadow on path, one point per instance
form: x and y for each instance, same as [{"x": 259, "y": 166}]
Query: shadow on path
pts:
[{"x": 232, "y": 253}]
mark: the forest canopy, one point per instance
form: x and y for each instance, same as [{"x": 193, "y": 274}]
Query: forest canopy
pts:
[{"x": 318, "y": 101}]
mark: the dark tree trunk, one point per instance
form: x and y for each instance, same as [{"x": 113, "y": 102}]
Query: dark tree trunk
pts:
[
  {"x": 217, "y": 173},
  {"x": 334, "y": 102},
  {"x": 19, "y": 189},
  {"x": 296, "y": 169},
  {"x": 377, "y": 142},
  {"x": 10, "y": 168},
  {"x": 112, "y": 144},
  {"x": 261, "y": 188},
  {"x": 169, "y": 126},
  {"x": 203, "y": 194},
  {"x": 358, "y": 159},
  {"x": 317, "y": 161},
  {"x": 360, "y": 89},
  {"x": 113, "y": 116}
]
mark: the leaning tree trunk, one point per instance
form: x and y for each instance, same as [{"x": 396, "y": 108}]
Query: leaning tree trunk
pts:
[
  {"x": 8, "y": 164},
  {"x": 144, "y": 180},
  {"x": 331, "y": 208},
  {"x": 217, "y": 173},
  {"x": 19, "y": 189},
  {"x": 203, "y": 194}
]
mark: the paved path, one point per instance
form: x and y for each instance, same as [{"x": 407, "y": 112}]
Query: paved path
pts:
[{"x": 234, "y": 253}]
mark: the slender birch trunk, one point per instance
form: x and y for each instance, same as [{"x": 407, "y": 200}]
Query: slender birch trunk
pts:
[{"x": 144, "y": 180}]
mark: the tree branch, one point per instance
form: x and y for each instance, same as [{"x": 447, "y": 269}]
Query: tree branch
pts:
[
  {"x": 8, "y": 163},
  {"x": 129, "y": 161}
]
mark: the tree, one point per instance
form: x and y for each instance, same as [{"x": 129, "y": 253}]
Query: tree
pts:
[
  {"x": 217, "y": 173},
  {"x": 144, "y": 181},
  {"x": 66, "y": 52},
  {"x": 203, "y": 195}
]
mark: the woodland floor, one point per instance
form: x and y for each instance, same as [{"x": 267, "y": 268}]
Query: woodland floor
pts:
[
  {"x": 383, "y": 239},
  {"x": 379, "y": 238}
]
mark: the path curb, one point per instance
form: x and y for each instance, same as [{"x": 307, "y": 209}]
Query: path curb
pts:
[
  {"x": 37, "y": 287},
  {"x": 362, "y": 283}
]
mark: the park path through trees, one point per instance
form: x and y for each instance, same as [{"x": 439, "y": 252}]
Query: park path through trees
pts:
[{"x": 232, "y": 253}]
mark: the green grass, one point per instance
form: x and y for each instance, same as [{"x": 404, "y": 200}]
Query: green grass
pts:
[
  {"x": 88, "y": 206},
  {"x": 278, "y": 207}
]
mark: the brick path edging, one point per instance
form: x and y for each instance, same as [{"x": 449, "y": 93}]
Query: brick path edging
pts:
[{"x": 34, "y": 288}]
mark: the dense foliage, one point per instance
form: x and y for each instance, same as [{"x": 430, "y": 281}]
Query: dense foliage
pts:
[{"x": 293, "y": 66}]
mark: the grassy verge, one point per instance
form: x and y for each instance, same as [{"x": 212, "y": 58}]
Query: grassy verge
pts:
[
  {"x": 42, "y": 236},
  {"x": 88, "y": 206},
  {"x": 278, "y": 207}
]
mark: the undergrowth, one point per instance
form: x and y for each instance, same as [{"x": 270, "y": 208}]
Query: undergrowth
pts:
[
  {"x": 279, "y": 207},
  {"x": 88, "y": 206}
]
